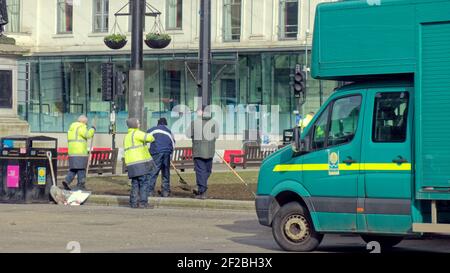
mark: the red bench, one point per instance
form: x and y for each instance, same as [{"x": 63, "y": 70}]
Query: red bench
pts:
[
  {"x": 253, "y": 155},
  {"x": 228, "y": 153},
  {"x": 182, "y": 158},
  {"x": 103, "y": 160}
]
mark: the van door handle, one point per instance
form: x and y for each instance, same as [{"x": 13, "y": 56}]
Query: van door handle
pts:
[
  {"x": 399, "y": 160},
  {"x": 349, "y": 160}
]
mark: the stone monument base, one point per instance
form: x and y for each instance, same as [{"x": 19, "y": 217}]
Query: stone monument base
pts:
[{"x": 13, "y": 126}]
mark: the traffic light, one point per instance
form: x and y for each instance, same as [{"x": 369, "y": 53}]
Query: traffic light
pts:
[
  {"x": 107, "y": 81},
  {"x": 121, "y": 80},
  {"x": 299, "y": 83}
]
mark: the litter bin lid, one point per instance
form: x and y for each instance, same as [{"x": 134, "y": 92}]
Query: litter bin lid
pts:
[
  {"x": 42, "y": 138},
  {"x": 21, "y": 137}
]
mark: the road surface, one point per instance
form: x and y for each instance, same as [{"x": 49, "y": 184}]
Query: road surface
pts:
[{"x": 50, "y": 228}]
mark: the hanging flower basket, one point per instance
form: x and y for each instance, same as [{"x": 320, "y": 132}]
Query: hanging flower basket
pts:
[
  {"x": 115, "y": 41},
  {"x": 157, "y": 40}
]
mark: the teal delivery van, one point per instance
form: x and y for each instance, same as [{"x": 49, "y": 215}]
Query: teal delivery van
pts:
[{"x": 375, "y": 160}]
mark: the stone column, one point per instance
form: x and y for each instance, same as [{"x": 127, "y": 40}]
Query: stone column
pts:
[{"x": 10, "y": 123}]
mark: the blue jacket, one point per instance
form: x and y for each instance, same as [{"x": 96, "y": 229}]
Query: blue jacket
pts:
[{"x": 164, "y": 140}]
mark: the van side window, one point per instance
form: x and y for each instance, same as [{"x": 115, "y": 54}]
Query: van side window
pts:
[
  {"x": 344, "y": 120},
  {"x": 390, "y": 117},
  {"x": 320, "y": 127}
]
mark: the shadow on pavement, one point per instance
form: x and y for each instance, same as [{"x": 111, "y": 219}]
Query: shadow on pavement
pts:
[
  {"x": 257, "y": 235},
  {"x": 351, "y": 243},
  {"x": 261, "y": 237}
]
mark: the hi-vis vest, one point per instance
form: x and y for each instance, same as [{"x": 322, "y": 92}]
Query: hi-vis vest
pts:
[
  {"x": 137, "y": 157},
  {"x": 77, "y": 137},
  {"x": 305, "y": 121}
]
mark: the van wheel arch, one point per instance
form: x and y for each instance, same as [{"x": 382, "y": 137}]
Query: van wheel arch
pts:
[{"x": 284, "y": 198}]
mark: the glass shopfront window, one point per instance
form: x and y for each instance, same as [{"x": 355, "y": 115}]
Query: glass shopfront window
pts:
[
  {"x": 96, "y": 108},
  {"x": 52, "y": 104},
  {"x": 225, "y": 90},
  {"x": 252, "y": 90},
  {"x": 122, "y": 63},
  {"x": 152, "y": 90},
  {"x": 173, "y": 91},
  {"x": 75, "y": 99},
  {"x": 32, "y": 113}
]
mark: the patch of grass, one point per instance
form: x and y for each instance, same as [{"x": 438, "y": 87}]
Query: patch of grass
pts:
[{"x": 221, "y": 185}]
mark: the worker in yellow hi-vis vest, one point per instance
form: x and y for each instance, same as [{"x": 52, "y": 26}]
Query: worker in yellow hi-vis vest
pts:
[
  {"x": 139, "y": 163},
  {"x": 77, "y": 138},
  {"x": 305, "y": 121}
]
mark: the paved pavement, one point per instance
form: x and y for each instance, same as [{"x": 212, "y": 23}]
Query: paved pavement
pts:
[{"x": 50, "y": 228}]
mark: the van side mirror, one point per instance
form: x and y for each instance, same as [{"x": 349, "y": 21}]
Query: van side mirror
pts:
[
  {"x": 296, "y": 141},
  {"x": 305, "y": 144}
]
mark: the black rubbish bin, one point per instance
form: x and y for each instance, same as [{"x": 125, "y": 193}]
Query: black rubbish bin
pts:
[
  {"x": 25, "y": 169},
  {"x": 38, "y": 172},
  {"x": 13, "y": 165}
]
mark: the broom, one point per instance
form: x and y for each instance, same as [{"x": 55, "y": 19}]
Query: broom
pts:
[
  {"x": 185, "y": 186},
  {"x": 56, "y": 193}
]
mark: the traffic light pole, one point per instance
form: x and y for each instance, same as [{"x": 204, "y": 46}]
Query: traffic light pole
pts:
[
  {"x": 136, "y": 76},
  {"x": 112, "y": 129}
]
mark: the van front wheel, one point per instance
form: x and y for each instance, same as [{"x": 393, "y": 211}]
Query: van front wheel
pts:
[{"x": 293, "y": 230}]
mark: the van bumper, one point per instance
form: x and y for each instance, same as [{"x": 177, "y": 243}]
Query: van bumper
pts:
[{"x": 265, "y": 209}]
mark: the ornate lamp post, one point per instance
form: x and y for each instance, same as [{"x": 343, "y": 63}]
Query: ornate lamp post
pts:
[
  {"x": 204, "y": 90},
  {"x": 136, "y": 74}
]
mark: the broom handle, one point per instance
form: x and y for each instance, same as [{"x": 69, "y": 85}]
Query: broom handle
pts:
[
  {"x": 94, "y": 123},
  {"x": 89, "y": 156},
  {"x": 173, "y": 166},
  {"x": 49, "y": 156},
  {"x": 231, "y": 168}
]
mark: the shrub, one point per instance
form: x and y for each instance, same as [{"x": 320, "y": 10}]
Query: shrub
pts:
[
  {"x": 158, "y": 36},
  {"x": 115, "y": 38}
]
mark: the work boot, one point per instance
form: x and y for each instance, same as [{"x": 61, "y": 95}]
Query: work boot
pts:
[
  {"x": 201, "y": 196},
  {"x": 80, "y": 188},
  {"x": 66, "y": 186},
  {"x": 165, "y": 194},
  {"x": 146, "y": 206}
]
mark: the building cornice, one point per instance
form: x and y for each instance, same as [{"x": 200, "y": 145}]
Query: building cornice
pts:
[
  {"x": 12, "y": 50},
  {"x": 167, "y": 52}
]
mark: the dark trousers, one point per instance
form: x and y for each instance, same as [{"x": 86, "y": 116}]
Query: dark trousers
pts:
[
  {"x": 81, "y": 175},
  {"x": 162, "y": 162},
  {"x": 203, "y": 168},
  {"x": 139, "y": 190}
]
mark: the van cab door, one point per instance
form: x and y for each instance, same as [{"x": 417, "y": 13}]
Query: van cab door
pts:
[
  {"x": 331, "y": 167},
  {"x": 386, "y": 153}
]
